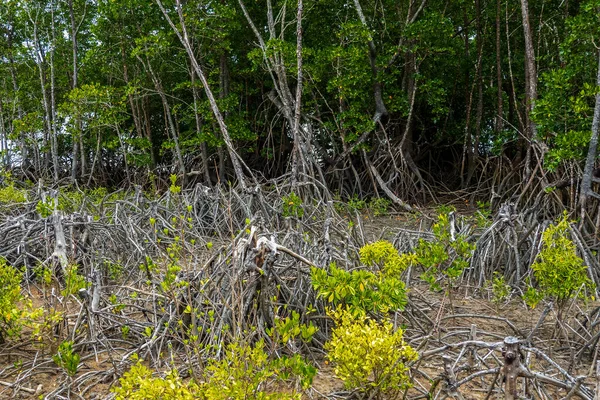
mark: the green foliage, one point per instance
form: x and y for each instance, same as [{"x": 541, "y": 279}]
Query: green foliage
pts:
[
  {"x": 483, "y": 214},
  {"x": 558, "y": 271},
  {"x": 43, "y": 274},
  {"x": 379, "y": 206},
  {"x": 17, "y": 311},
  {"x": 356, "y": 204},
  {"x": 366, "y": 291},
  {"x": 443, "y": 257},
  {"x": 73, "y": 281},
  {"x": 384, "y": 255},
  {"x": 564, "y": 111},
  {"x": 10, "y": 297},
  {"x": 114, "y": 269},
  {"x": 66, "y": 359},
  {"x": 369, "y": 356},
  {"x": 139, "y": 384},
  {"x": 174, "y": 188},
  {"x": 532, "y": 296},
  {"x": 363, "y": 291},
  {"x": 45, "y": 208},
  {"x": 290, "y": 328},
  {"x": 292, "y": 206},
  {"x": 500, "y": 289},
  {"x": 245, "y": 372},
  {"x": 11, "y": 195}
]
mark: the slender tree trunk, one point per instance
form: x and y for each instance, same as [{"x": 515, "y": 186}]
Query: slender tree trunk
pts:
[
  {"x": 467, "y": 142},
  {"x": 380, "y": 109},
  {"x": 148, "y": 130},
  {"x": 298, "y": 142},
  {"x": 54, "y": 139},
  {"x": 203, "y": 152},
  {"x": 4, "y": 138},
  {"x": 74, "y": 86},
  {"x": 531, "y": 72},
  {"x": 499, "y": 122},
  {"x": 40, "y": 61},
  {"x": 169, "y": 118},
  {"x": 474, "y": 149},
  {"x": 586, "y": 182},
  {"x": 281, "y": 96},
  {"x": 223, "y": 92},
  {"x": 15, "y": 84},
  {"x": 183, "y": 37}
]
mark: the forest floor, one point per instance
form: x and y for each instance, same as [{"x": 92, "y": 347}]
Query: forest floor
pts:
[
  {"x": 471, "y": 312},
  {"x": 468, "y": 310}
]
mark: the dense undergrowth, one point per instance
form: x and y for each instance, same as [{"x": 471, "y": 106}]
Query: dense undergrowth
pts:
[{"x": 215, "y": 294}]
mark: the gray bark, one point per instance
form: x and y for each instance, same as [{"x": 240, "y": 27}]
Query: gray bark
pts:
[
  {"x": 586, "y": 182},
  {"x": 184, "y": 39}
]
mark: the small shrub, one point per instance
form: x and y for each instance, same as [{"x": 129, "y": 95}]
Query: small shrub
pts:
[
  {"x": 500, "y": 289},
  {"x": 383, "y": 254},
  {"x": 17, "y": 311},
  {"x": 174, "y": 188},
  {"x": 73, "y": 281},
  {"x": 10, "y": 297},
  {"x": 559, "y": 272},
  {"x": 45, "y": 208},
  {"x": 12, "y": 195},
  {"x": 292, "y": 206},
  {"x": 246, "y": 371},
  {"x": 290, "y": 328},
  {"x": 66, "y": 359},
  {"x": 443, "y": 257},
  {"x": 369, "y": 356},
  {"x": 379, "y": 206},
  {"x": 363, "y": 291},
  {"x": 356, "y": 204},
  {"x": 139, "y": 384}
]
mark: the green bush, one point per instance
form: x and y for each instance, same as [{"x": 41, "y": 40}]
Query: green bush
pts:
[
  {"x": 445, "y": 257},
  {"x": 366, "y": 291},
  {"x": 12, "y": 195},
  {"x": 10, "y": 297},
  {"x": 292, "y": 206},
  {"x": 558, "y": 271},
  {"x": 369, "y": 356},
  {"x": 363, "y": 290},
  {"x": 245, "y": 372},
  {"x": 379, "y": 206},
  {"x": 139, "y": 384},
  {"x": 66, "y": 358},
  {"x": 384, "y": 255},
  {"x": 73, "y": 281}
]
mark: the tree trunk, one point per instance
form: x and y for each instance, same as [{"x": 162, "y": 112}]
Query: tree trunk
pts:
[
  {"x": 380, "y": 109},
  {"x": 169, "y": 117},
  {"x": 74, "y": 86},
  {"x": 203, "y": 152},
  {"x": 297, "y": 153},
  {"x": 530, "y": 69},
  {"x": 586, "y": 182},
  {"x": 40, "y": 61},
  {"x": 183, "y": 37},
  {"x": 474, "y": 149},
  {"x": 4, "y": 138},
  {"x": 499, "y": 122},
  {"x": 54, "y": 138}
]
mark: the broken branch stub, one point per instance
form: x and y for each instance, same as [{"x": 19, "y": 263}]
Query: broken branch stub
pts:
[{"x": 512, "y": 366}]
